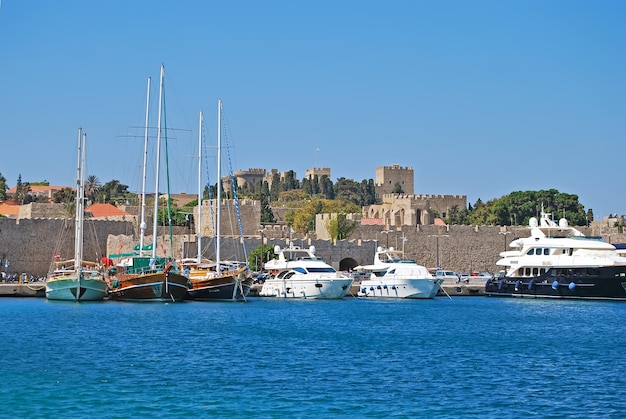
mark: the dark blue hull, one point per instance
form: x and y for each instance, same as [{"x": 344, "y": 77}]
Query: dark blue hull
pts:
[
  {"x": 223, "y": 292},
  {"x": 581, "y": 283}
]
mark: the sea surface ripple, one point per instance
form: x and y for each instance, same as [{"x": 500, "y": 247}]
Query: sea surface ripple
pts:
[{"x": 460, "y": 357}]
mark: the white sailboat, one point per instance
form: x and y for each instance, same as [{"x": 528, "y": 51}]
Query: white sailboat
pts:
[
  {"x": 77, "y": 280},
  {"x": 217, "y": 281}
]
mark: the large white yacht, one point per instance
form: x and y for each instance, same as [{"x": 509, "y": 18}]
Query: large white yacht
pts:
[
  {"x": 298, "y": 273},
  {"x": 559, "y": 261},
  {"x": 394, "y": 276}
]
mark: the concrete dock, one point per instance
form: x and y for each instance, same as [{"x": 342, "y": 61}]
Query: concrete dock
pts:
[{"x": 26, "y": 289}]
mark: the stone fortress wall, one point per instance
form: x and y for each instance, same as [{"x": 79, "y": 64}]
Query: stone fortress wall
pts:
[
  {"x": 30, "y": 244},
  {"x": 402, "y": 221}
]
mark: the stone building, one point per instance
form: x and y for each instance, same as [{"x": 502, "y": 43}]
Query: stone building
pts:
[
  {"x": 317, "y": 171},
  {"x": 388, "y": 176},
  {"x": 410, "y": 210}
]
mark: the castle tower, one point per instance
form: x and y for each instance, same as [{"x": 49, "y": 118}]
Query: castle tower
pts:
[
  {"x": 317, "y": 171},
  {"x": 388, "y": 176}
]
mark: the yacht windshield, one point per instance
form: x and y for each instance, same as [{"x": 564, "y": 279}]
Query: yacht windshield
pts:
[{"x": 315, "y": 270}]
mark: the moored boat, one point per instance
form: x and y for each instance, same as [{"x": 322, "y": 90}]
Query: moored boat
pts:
[
  {"x": 392, "y": 275},
  {"x": 139, "y": 277},
  {"x": 221, "y": 280},
  {"x": 558, "y": 261},
  {"x": 76, "y": 279},
  {"x": 207, "y": 281},
  {"x": 298, "y": 273}
]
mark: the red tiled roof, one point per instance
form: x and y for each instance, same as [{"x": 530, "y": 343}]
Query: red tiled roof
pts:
[
  {"x": 105, "y": 210},
  {"x": 9, "y": 208},
  {"x": 10, "y": 202},
  {"x": 41, "y": 189},
  {"x": 439, "y": 222}
]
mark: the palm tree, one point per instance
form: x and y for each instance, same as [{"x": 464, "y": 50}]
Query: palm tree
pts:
[{"x": 92, "y": 187}]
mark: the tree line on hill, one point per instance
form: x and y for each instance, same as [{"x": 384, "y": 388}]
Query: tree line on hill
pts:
[{"x": 306, "y": 198}]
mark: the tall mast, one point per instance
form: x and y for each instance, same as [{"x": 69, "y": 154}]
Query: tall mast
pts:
[
  {"x": 77, "y": 225},
  {"x": 219, "y": 184},
  {"x": 142, "y": 226},
  {"x": 82, "y": 198},
  {"x": 158, "y": 157},
  {"x": 199, "y": 220}
]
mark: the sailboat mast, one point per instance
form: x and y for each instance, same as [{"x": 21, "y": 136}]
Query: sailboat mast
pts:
[
  {"x": 142, "y": 226},
  {"x": 219, "y": 184},
  {"x": 199, "y": 220},
  {"x": 82, "y": 200},
  {"x": 158, "y": 157},
  {"x": 77, "y": 226}
]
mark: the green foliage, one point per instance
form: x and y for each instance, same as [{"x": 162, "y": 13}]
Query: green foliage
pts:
[
  {"x": 260, "y": 255},
  {"x": 518, "y": 207},
  {"x": 267, "y": 216},
  {"x": 339, "y": 227},
  {"x": 397, "y": 188},
  {"x": 458, "y": 216},
  {"x": 179, "y": 217},
  {"x": 92, "y": 188},
  {"x": 22, "y": 192},
  {"x": 113, "y": 192},
  {"x": 64, "y": 195},
  {"x": 304, "y": 218},
  {"x": 349, "y": 191},
  {"x": 3, "y": 188}
]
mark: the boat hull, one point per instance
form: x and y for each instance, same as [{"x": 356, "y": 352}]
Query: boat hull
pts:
[
  {"x": 157, "y": 286},
  {"x": 306, "y": 288},
  {"x": 225, "y": 287},
  {"x": 609, "y": 284},
  {"x": 424, "y": 288},
  {"x": 73, "y": 289}
]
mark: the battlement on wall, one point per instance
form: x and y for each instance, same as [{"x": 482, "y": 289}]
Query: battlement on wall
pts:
[
  {"x": 250, "y": 171},
  {"x": 420, "y": 197}
]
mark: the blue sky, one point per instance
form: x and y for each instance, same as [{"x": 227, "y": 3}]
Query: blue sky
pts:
[{"x": 480, "y": 98}]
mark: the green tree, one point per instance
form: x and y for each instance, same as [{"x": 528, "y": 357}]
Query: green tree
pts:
[
  {"x": 458, "y": 216},
  {"x": 92, "y": 188},
  {"x": 113, "y": 192},
  {"x": 339, "y": 227},
  {"x": 304, "y": 218},
  {"x": 397, "y": 188},
  {"x": 22, "y": 192},
  {"x": 275, "y": 187},
  {"x": 349, "y": 191},
  {"x": 64, "y": 195},
  {"x": 3, "y": 188},
  {"x": 326, "y": 187},
  {"x": 260, "y": 255},
  {"x": 518, "y": 207},
  {"x": 179, "y": 217},
  {"x": 267, "y": 216}
]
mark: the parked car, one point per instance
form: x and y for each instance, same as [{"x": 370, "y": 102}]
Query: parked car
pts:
[{"x": 449, "y": 276}]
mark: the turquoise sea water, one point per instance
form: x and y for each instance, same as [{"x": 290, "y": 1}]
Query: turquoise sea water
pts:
[{"x": 465, "y": 357}]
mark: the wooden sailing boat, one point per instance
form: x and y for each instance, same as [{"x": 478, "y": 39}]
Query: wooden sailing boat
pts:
[
  {"x": 142, "y": 277},
  {"x": 217, "y": 281},
  {"x": 75, "y": 279}
]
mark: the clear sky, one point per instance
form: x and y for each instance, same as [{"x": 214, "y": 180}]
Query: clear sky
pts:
[{"x": 480, "y": 98}]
